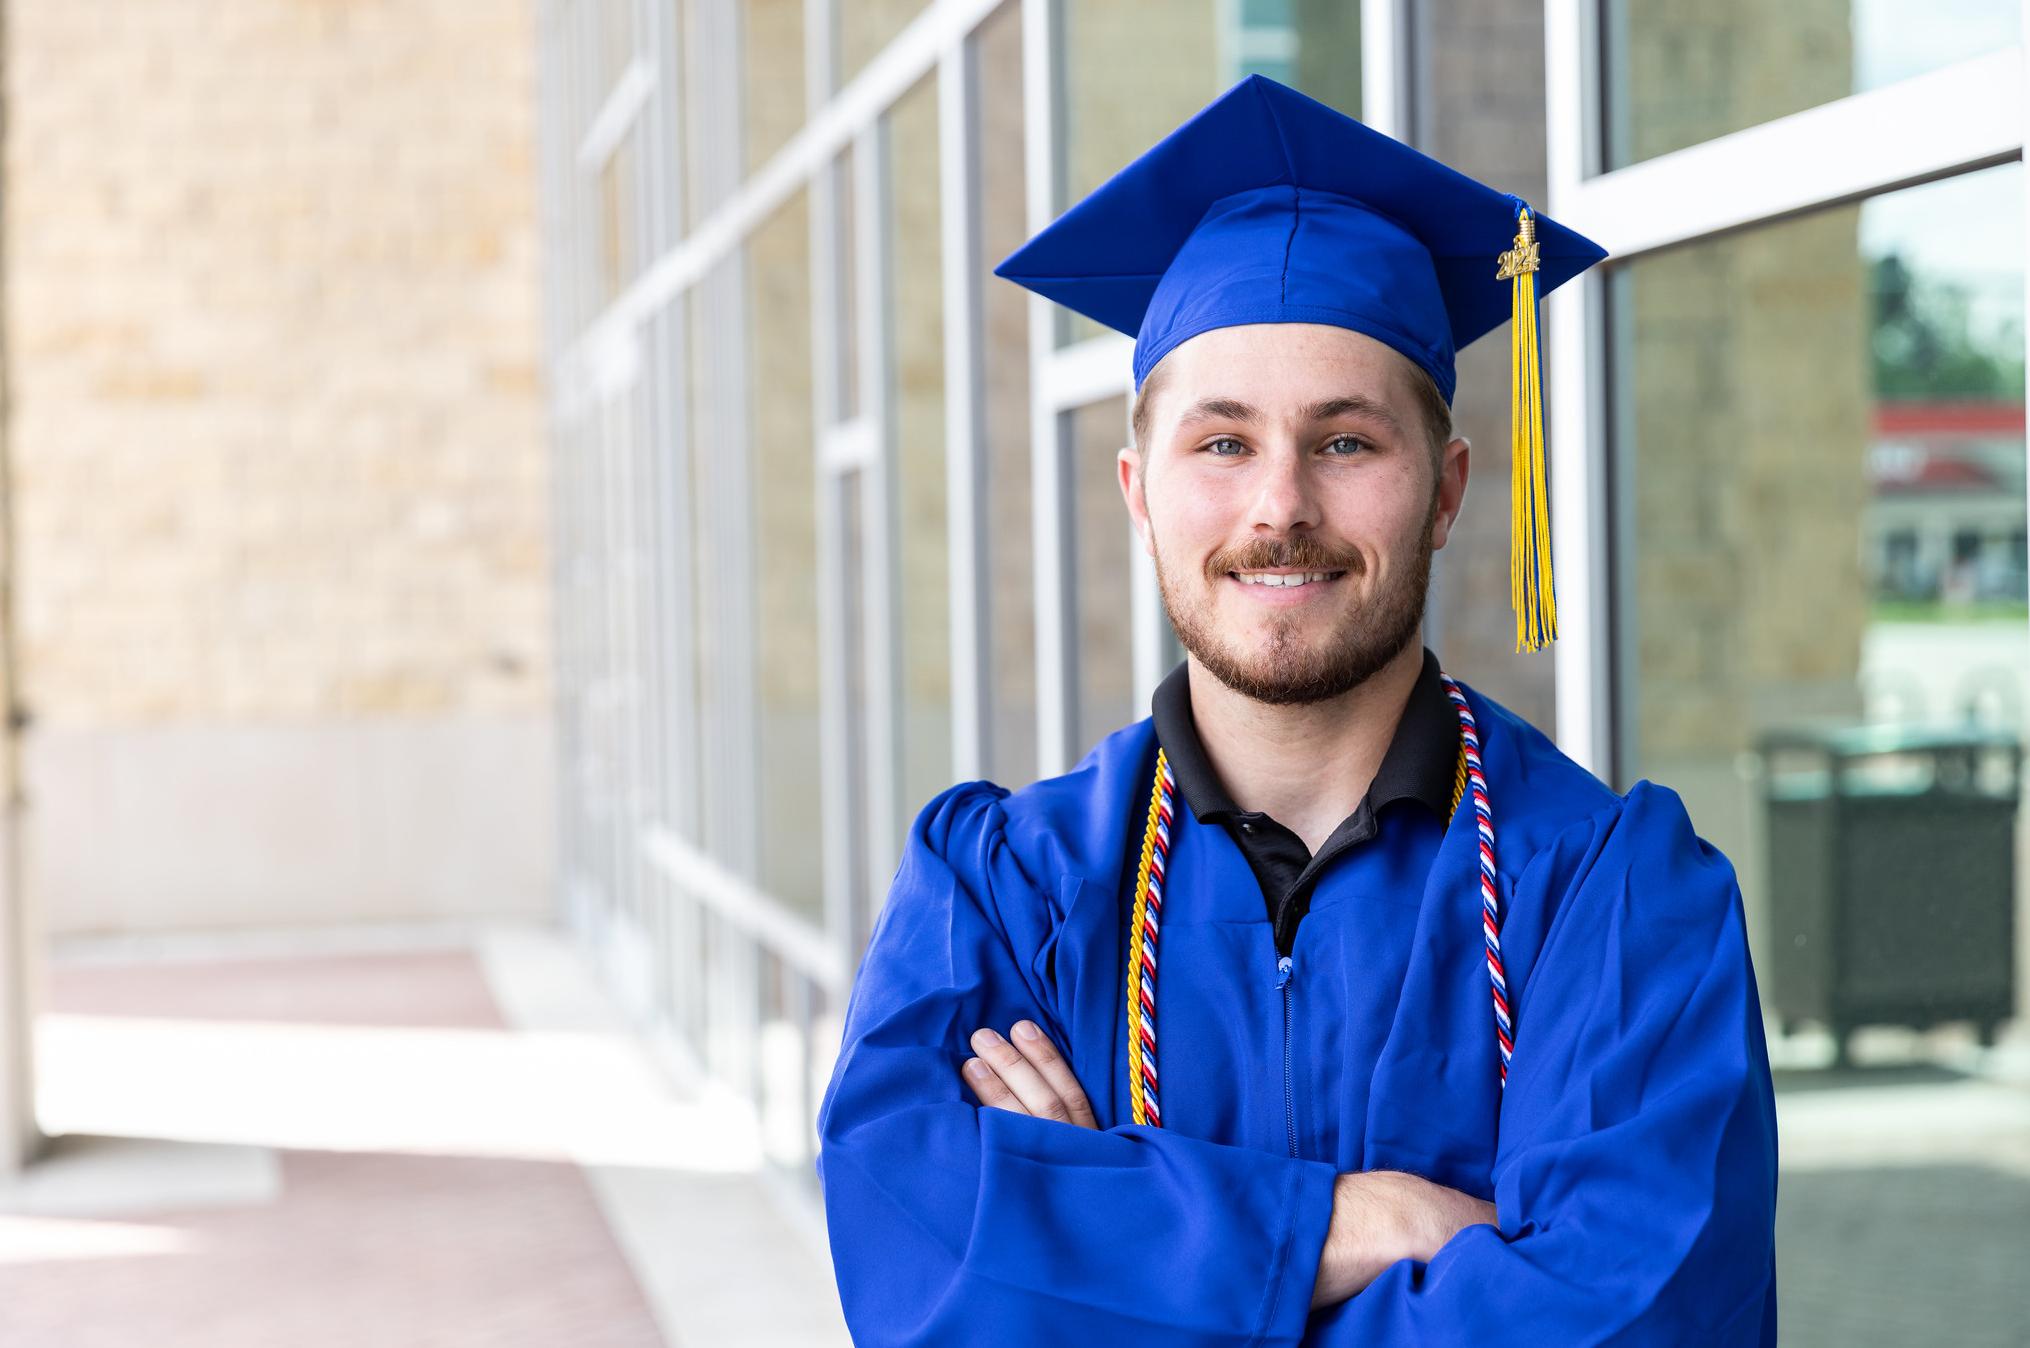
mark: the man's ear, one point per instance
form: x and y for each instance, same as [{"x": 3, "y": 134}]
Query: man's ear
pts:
[
  {"x": 1128, "y": 467},
  {"x": 1454, "y": 463}
]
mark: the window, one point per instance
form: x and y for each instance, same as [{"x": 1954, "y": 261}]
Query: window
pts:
[
  {"x": 1680, "y": 74},
  {"x": 1825, "y": 642}
]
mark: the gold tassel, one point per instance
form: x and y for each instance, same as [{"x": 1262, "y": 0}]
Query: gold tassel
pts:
[{"x": 1529, "y": 562}]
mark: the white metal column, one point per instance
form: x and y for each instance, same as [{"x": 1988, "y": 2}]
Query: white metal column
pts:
[{"x": 1385, "y": 87}]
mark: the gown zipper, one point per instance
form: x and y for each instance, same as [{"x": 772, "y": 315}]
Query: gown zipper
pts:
[{"x": 1289, "y": 1101}]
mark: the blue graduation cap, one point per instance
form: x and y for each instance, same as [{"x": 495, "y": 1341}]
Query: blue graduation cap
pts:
[{"x": 1269, "y": 207}]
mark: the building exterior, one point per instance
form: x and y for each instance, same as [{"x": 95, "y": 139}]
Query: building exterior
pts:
[
  {"x": 277, "y": 484},
  {"x": 836, "y": 521},
  {"x": 275, "y": 598}
]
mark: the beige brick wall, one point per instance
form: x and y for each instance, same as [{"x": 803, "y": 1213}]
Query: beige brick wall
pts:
[
  {"x": 270, "y": 315},
  {"x": 271, "y": 330}
]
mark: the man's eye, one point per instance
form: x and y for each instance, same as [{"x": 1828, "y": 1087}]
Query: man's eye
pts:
[{"x": 1357, "y": 445}]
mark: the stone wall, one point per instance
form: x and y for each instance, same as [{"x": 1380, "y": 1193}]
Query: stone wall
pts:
[{"x": 275, "y": 435}]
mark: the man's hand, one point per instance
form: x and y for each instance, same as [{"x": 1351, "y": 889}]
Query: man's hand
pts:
[
  {"x": 1380, "y": 1216},
  {"x": 1027, "y": 1076}
]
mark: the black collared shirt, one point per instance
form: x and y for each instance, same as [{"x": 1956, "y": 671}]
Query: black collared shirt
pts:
[{"x": 1422, "y": 763}]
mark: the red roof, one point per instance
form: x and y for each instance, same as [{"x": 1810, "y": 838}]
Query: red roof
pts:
[{"x": 1948, "y": 419}]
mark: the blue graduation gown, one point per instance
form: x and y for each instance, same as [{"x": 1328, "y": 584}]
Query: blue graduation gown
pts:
[{"x": 1631, "y": 1159}]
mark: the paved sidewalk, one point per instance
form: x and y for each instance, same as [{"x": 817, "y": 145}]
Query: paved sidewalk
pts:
[
  {"x": 465, "y": 1144},
  {"x": 444, "y": 1147},
  {"x": 1903, "y": 1206}
]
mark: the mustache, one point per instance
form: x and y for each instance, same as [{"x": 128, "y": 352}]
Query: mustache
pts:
[{"x": 1301, "y": 553}]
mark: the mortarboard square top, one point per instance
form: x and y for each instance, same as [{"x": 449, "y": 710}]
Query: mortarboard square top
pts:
[{"x": 1269, "y": 207}]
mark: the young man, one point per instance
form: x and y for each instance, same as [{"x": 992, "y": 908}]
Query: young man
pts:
[{"x": 1456, "y": 1044}]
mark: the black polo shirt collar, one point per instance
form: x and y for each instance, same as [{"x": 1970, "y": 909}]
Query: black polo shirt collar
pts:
[{"x": 1421, "y": 764}]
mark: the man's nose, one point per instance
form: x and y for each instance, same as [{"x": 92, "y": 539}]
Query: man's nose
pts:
[{"x": 1286, "y": 497}]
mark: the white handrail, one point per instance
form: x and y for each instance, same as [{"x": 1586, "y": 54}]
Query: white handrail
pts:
[{"x": 790, "y": 937}]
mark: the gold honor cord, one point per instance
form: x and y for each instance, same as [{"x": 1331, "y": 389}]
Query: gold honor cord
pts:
[
  {"x": 1141, "y": 956},
  {"x": 1458, "y": 783},
  {"x": 1529, "y": 563}
]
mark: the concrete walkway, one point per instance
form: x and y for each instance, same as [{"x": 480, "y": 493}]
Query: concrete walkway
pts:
[
  {"x": 460, "y": 1141},
  {"x": 449, "y": 1142}
]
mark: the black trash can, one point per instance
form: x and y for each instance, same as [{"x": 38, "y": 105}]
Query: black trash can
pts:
[{"x": 1892, "y": 876}]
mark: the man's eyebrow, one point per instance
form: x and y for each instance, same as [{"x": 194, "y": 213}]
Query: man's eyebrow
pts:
[
  {"x": 1326, "y": 409},
  {"x": 1219, "y": 409},
  {"x": 1353, "y": 405}
]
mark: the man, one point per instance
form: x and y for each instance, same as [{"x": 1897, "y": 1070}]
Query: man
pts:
[{"x": 1456, "y": 1044}]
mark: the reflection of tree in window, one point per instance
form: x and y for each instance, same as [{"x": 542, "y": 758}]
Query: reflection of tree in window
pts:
[
  {"x": 1924, "y": 345},
  {"x": 1945, "y": 350}
]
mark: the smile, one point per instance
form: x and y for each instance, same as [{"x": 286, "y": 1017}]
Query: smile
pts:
[{"x": 1285, "y": 580}]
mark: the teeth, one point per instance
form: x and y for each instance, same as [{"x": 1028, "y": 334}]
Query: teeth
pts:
[{"x": 1304, "y": 578}]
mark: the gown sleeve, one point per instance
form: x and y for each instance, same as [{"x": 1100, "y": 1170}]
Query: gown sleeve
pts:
[
  {"x": 952, "y": 1223},
  {"x": 1635, "y": 1176}
]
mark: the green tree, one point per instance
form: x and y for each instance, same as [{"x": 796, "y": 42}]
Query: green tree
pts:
[{"x": 1922, "y": 342}]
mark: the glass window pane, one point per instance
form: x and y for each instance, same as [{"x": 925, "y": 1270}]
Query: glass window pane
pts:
[
  {"x": 623, "y": 596},
  {"x": 1679, "y": 74},
  {"x": 1129, "y": 79},
  {"x": 866, "y": 26},
  {"x": 1827, "y": 654},
  {"x": 785, "y": 545},
  {"x": 1325, "y": 43},
  {"x": 863, "y": 901},
  {"x": 846, "y": 283},
  {"x": 1133, "y": 72},
  {"x": 619, "y": 219},
  {"x": 675, "y": 486},
  {"x": 772, "y": 87},
  {"x": 615, "y": 39},
  {"x": 917, "y": 329},
  {"x": 1492, "y": 129},
  {"x": 1005, "y": 319},
  {"x": 1104, "y": 567},
  {"x": 708, "y": 410}
]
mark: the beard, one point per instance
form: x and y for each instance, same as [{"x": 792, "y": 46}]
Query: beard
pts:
[{"x": 1287, "y": 669}]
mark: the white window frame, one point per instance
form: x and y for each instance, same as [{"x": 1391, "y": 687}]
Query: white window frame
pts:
[{"x": 1964, "y": 117}]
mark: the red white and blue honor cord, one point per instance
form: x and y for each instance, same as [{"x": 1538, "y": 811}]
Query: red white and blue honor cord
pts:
[
  {"x": 1145, "y": 922},
  {"x": 1490, "y": 900}
]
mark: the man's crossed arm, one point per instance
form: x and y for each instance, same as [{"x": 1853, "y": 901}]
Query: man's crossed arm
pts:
[
  {"x": 1636, "y": 1188},
  {"x": 1378, "y": 1217}
]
